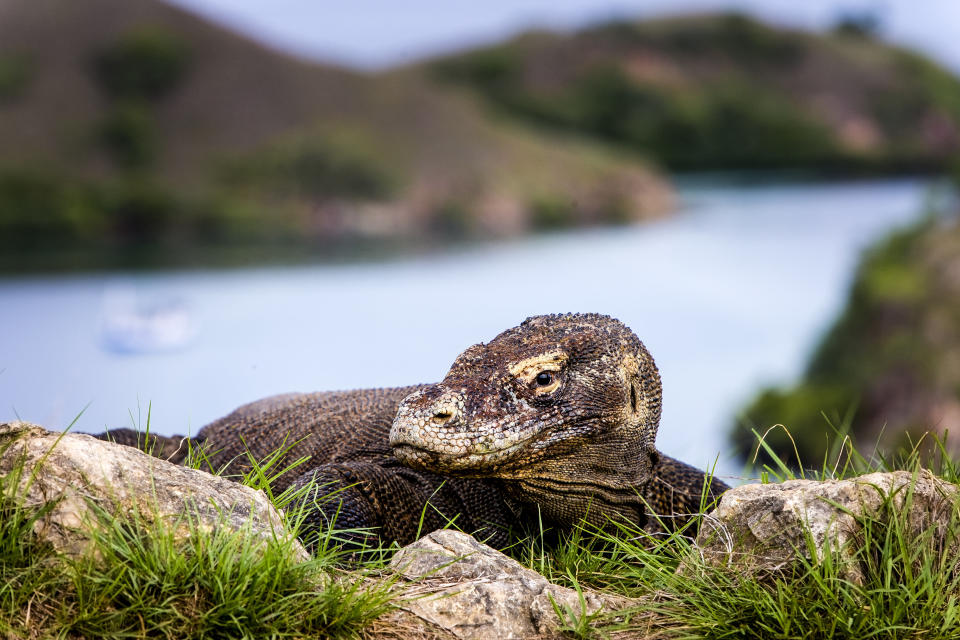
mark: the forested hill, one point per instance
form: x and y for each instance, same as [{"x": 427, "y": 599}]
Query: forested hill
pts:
[
  {"x": 130, "y": 123},
  {"x": 725, "y": 91},
  {"x": 133, "y": 130},
  {"x": 888, "y": 371}
]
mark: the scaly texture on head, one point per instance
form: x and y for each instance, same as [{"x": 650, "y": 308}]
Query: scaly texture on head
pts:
[{"x": 563, "y": 409}]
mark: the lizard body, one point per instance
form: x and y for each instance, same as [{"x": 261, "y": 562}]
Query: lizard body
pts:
[{"x": 553, "y": 419}]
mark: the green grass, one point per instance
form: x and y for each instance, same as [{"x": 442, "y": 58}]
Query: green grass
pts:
[
  {"x": 143, "y": 581},
  {"x": 910, "y": 587},
  {"x": 221, "y": 584}
]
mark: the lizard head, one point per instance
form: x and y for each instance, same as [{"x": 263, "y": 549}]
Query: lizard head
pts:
[{"x": 560, "y": 404}]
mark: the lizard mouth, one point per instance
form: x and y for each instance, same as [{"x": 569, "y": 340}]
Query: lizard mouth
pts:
[
  {"x": 469, "y": 463},
  {"x": 615, "y": 492}
]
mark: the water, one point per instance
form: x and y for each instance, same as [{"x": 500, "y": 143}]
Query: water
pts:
[{"x": 731, "y": 294}]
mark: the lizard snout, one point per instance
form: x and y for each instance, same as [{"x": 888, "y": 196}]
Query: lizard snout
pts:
[
  {"x": 425, "y": 418},
  {"x": 436, "y": 430}
]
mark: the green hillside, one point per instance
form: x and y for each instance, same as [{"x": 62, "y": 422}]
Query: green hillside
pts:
[
  {"x": 726, "y": 92},
  {"x": 131, "y": 131},
  {"x": 889, "y": 368}
]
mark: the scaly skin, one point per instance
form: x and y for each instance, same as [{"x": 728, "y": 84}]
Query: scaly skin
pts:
[{"x": 553, "y": 420}]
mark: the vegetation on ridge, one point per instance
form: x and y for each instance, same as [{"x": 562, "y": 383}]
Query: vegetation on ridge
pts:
[
  {"x": 182, "y": 137},
  {"x": 186, "y": 143},
  {"x": 887, "y": 370},
  {"x": 726, "y": 91}
]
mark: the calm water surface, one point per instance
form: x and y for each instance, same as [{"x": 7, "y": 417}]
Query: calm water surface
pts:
[{"x": 731, "y": 294}]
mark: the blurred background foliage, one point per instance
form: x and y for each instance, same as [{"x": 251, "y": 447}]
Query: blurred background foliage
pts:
[
  {"x": 888, "y": 370},
  {"x": 183, "y": 139},
  {"x": 727, "y": 92},
  {"x": 186, "y": 138}
]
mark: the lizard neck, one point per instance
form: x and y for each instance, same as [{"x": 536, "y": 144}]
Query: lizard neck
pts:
[{"x": 569, "y": 500}]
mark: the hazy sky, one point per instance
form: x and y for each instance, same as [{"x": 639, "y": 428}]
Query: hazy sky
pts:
[{"x": 378, "y": 33}]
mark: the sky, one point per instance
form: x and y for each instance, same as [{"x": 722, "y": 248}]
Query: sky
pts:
[{"x": 375, "y": 34}]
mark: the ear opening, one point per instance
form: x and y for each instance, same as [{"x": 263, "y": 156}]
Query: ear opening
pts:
[{"x": 633, "y": 396}]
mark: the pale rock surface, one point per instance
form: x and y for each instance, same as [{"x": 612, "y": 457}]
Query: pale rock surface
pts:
[
  {"x": 470, "y": 590},
  {"x": 762, "y": 527},
  {"x": 77, "y": 470}
]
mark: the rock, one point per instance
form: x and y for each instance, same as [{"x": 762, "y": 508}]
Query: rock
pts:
[
  {"x": 762, "y": 527},
  {"x": 79, "y": 471},
  {"x": 473, "y": 591}
]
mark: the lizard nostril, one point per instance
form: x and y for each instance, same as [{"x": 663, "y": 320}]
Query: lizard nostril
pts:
[{"x": 443, "y": 416}]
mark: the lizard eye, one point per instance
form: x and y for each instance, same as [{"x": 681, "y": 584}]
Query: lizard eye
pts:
[{"x": 544, "y": 379}]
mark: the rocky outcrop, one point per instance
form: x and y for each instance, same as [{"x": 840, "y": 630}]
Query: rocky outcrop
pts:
[
  {"x": 82, "y": 475},
  {"x": 763, "y": 527},
  {"x": 466, "y": 589}
]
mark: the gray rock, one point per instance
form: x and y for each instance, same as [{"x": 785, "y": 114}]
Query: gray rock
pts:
[
  {"x": 763, "y": 527},
  {"x": 469, "y": 590},
  {"x": 79, "y": 472}
]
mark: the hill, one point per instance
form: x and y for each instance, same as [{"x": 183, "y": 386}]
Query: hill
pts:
[
  {"x": 889, "y": 368},
  {"x": 709, "y": 92},
  {"x": 132, "y": 132},
  {"x": 132, "y": 126}
]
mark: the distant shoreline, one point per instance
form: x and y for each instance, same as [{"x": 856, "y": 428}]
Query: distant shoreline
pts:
[{"x": 146, "y": 258}]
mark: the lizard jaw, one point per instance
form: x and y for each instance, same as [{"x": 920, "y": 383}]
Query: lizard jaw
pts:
[{"x": 464, "y": 463}]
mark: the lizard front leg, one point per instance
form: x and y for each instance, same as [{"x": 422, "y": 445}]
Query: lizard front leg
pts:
[
  {"x": 362, "y": 501},
  {"x": 675, "y": 493}
]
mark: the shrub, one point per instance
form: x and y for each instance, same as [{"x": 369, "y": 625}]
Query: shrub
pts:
[
  {"x": 548, "y": 212},
  {"x": 315, "y": 170},
  {"x": 14, "y": 76},
  {"x": 129, "y": 135},
  {"x": 735, "y": 35},
  {"x": 140, "y": 211},
  {"x": 493, "y": 68},
  {"x": 147, "y": 63},
  {"x": 40, "y": 208}
]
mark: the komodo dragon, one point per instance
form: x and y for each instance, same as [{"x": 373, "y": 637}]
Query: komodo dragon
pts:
[{"x": 554, "y": 419}]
